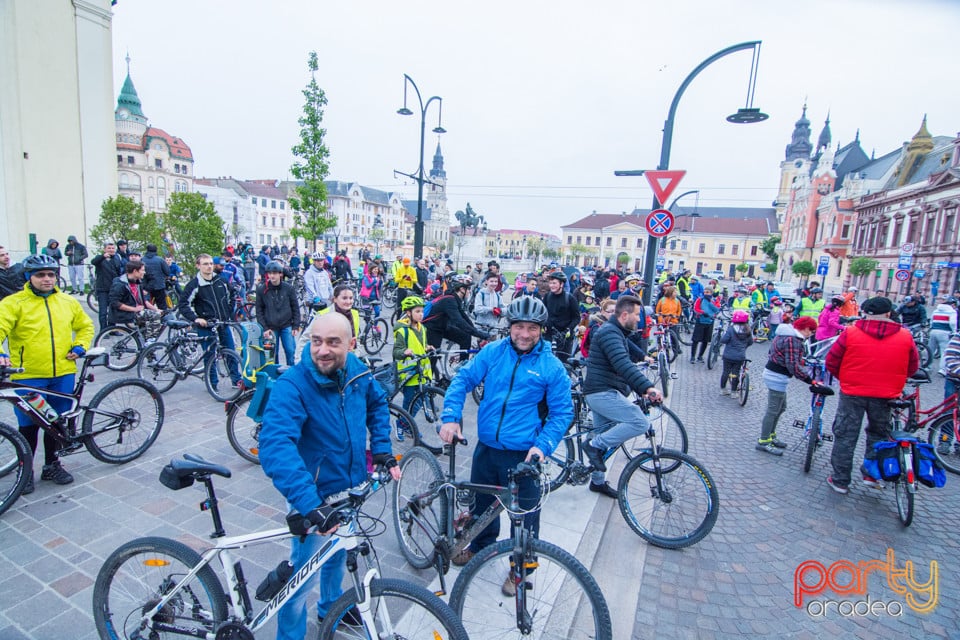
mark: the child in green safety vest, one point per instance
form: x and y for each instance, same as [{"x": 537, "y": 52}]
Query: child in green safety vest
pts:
[{"x": 410, "y": 341}]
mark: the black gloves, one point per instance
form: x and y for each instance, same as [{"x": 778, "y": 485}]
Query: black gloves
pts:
[
  {"x": 387, "y": 460},
  {"x": 323, "y": 518}
]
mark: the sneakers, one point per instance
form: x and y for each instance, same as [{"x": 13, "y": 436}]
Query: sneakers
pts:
[
  {"x": 28, "y": 487},
  {"x": 604, "y": 489},
  {"x": 463, "y": 557},
  {"x": 595, "y": 456},
  {"x": 700, "y": 360},
  {"x": 769, "y": 447},
  {"x": 872, "y": 482},
  {"x": 724, "y": 392},
  {"x": 839, "y": 488},
  {"x": 777, "y": 443},
  {"x": 400, "y": 432},
  {"x": 56, "y": 473}
]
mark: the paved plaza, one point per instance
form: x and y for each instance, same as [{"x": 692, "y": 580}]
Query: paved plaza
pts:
[{"x": 737, "y": 582}]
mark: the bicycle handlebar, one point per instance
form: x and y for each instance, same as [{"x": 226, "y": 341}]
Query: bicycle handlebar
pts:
[{"x": 6, "y": 372}]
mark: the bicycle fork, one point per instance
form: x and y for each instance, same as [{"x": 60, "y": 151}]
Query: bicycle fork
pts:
[{"x": 521, "y": 565}]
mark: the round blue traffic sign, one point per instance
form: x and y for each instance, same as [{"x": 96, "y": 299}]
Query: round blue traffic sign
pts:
[{"x": 659, "y": 223}]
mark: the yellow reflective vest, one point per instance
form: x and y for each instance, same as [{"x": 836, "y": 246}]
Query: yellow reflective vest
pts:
[
  {"x": 41, "y": 331},
  {"x": 406, "y": 336}
]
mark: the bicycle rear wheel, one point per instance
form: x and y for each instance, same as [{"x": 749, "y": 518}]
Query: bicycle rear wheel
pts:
[
  {"x": 157, "y": 365},
  {"x": 451, "y": 362},
  {"x": 92, "y": 301},
  {"x": 926, "y": 356},
  {"x": 375, "y": 336},
  {"x": 685, "y": 331},
  {"x": 743, "y": 390},
  {"x": 942, "y": 436},
  {"x": 401, "y": 421},
  {"x": 226, "y": 363},
  {"x": 562, "y": 599},
  {"x": 428, "y": 405},
  {"x": 713, "y": 354},
  {"x": 672, "y": 509},
  {"x": 123, "y": 347},
  {"x": 418, "y": 511},
  {"x": 904, "y": 502},
  {"x": 16, "y": 465},
  {"x": 670, "y": 433},
  {"x": 664, "y": 367},
  {"x": 813, "y": 438},
  {"x": 399, "y": 609},
  {"x": 136, "y": 576},
  {"x": 557, "y": 464},
  {"x": 243, "y": 432},
  {"x": 122, "y": 421}
]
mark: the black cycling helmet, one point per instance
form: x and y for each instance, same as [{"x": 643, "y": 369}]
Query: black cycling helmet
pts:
[
  {"x": 39, "y": 262},
  {"x": 816, "y": 290},
  {"x": 558, "y": 275},
  {"x": 274, "y": 267},
  {"x": 460, "y": 282},
  {"x": 527, "y": 309}
]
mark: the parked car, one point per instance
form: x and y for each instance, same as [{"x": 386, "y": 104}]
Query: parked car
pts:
[
  {"x": 715, "y": 275},
  {"x": 747, "y": 282}
]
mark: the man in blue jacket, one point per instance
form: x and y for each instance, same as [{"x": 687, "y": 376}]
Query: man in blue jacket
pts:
[
  {"x": 313, "y": 444},
  {"x": 526, "y": 409}
]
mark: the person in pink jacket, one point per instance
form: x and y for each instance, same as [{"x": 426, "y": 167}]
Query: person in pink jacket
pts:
[{"x": 828, "y": 324}]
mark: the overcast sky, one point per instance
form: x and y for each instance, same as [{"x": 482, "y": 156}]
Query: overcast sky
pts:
[{"x": 542, "y": 100}]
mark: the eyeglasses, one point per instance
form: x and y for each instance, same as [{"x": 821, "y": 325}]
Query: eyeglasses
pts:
[{"x": 44, "y": 274}]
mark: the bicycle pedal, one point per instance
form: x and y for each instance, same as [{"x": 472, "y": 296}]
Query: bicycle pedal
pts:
[
  {"x": 827, "y": 437},
  {"x": 674, "y": 375},
  {"x": 799, "y": 424}
]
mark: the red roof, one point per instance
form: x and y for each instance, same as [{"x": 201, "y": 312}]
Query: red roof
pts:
[
  {"x": 731, "y": 226},
  {"x": 603, "y": 220},
  {"x": 178, "y": 148}
]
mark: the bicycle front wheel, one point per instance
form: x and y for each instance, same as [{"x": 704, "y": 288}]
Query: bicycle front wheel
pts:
[
  {"x": 946, "y": 447},
  {"x": 713, "y": 354},
  {"x": 670, "y": 509},
  {"x": 92, "y": 301},
  {"x": 685, "y": 332},
  {"x": 428, "y": 404},
  {"x": 122, "y": 345},
  {"x": 157, "y": 366},
  {"x": 398, "y": 609},
  {"x": 926, "y": 356},
  {"x": 122, "y": 421},
  {"x": 670, "y": 433},
  {"x": 419, "y": 510},
  {"x": 134, "y": 579},
  {"x": 562, "y": 599},
  {"x": 813, "y": 438},
  {"x": 243, "y": 432},
  {"x": 664, "y": 367},
  {"x": 16, "y": 465},
  {"x": 375, "y": 336},
  {"x": 226, "y": 364},
  {"x": 743, "y": 391},
  {"x": 904, "y": 502}
]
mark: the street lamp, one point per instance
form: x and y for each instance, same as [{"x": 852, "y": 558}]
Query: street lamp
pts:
[
  {"x": 404, "y": 111},
  {"x": 745, "y": 115},
  {"x": 498, "y": 246}
]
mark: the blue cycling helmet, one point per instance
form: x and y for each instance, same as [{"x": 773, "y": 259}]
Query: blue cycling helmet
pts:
[{"x": 40, "y": 262}]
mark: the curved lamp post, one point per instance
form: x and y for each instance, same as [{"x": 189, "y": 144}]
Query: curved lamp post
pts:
[
  {"x": 746, "y": 115},
  {"x": 404, "y": 111}
]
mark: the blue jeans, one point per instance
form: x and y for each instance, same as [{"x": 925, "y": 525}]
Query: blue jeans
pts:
[
  {"x": 286, "y": 340},
  {"x": 30, "y": 431},
  {"x": 292, "y": 617},
  {"x": 490, "y": 467},
  {"x": 616, "y": 420},
  {"x": 225, "y": 339},
  {"x": 103, "y": 309}
]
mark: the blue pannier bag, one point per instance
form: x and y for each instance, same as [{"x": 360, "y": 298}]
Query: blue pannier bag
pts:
[
  {"x": 929, "y": 470},
  {"x": 887, "y": 460}
]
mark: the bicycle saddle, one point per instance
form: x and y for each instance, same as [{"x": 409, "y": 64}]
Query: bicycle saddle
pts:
[
  {"x": 93, "y": 352},
  {"x": 899, "y": 404},
  {"x": 177, "y": 324},
  {"x": 180, "y": 474},
  {"x": 922, "y": 376}
]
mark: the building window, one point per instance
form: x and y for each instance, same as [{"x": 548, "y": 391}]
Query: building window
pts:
[
  {"x": 176, "y": 168},
  {"x": 721, "y": 248},
  {"x": 283, "y": 223},
  {"x": 623, "y": 242},
  {"x": 588, "y": 241},
  {"x": 597, "y": 241},
  {"x": 263, "y": 202},
  {"x": 151, "y": 202},
  {"x": 569, "y": 239},
  {"x": 673, "y": 245},
  {"x": 254, "y": 201},
  {"x": 753, "y": 250},
  {"x": 119, "y": 159},
  {"x": 639, "y": 243},
  {"x": 273, "y": 221},
  {"x": 948, "y": 228},
  {"x": 702, "y": 248},
  {"x": 683, "y": 245},
  {"x": 579, "y": 239},
  {"x": 609, "y": 241},
  {"x": 273, "y": 204},
  {"x": 281, "y": 205},
  {"x": 158, "y": 163},
  {"x": 845, "y": 231},
  {"x": 150, "y": 182},
  {"x": 734, "y": 249},
  {"x": 130, "y": 160},
  {"x": 264, "y": 220}
]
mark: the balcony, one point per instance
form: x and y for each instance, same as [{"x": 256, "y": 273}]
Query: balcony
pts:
[{"x": 129, "y": 187}]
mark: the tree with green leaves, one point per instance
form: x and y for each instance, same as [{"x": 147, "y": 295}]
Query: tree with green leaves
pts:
[
  {"x": 770, "y": 267},
  {"x": 577, "y": 250},
  {"x": 862, "y": 266},
  {"x": 311, "y": 219},
  {"x": 535, "y": 248},
  {"x": 123, "y": 218},
  {"x": 193, "y": 227},
  {"x": 551, "y": 253},
  {"x": 803, "y": 268},
  {"x": 769, "y": 248},
  {"x": 742, "y": 268}
]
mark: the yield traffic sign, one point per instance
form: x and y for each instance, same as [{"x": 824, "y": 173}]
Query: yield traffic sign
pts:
[
  {"x": 659, "y": 223},
  {"x": 663, "y": 183}
]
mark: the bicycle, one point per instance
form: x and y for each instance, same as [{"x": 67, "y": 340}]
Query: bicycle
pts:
[
  {"x": 759, "y": 326},
  {"x": 375, "y": 333},
  {"x": 813, "y": 433},
  {"x": 118, "y": 425},
  {"x": 165, "y": 363},
  {"x": 428, "y": 398},
  {"x": 124, "y": 343},
  {"x": 941, "y": 421},
  {"x": 390, "y": 294},
  {"x": 686, "y": 323},
  {"x": 555, "y": 595},
  {"x": 664, "y": 351},
  {"x": 743, "y": 387},
  {"x": 713, "y": 353},
  {"x": 151, "y": 587}
]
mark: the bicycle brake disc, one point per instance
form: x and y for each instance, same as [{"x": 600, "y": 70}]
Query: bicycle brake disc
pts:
[{"x": 233, "y": 631}]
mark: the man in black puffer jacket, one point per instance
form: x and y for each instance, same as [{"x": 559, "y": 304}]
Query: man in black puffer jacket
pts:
[
  {"x": 448, "y": 319},
  {"x": 107, "y": 266},
  {"x": 610, "y": 377},
  {"x": 563, "y": 314},
  {"x": 155, "y": 281},
  {"x": 278, "y": 310}
]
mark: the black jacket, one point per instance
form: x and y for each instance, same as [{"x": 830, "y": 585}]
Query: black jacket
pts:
[
  {"x": 210, "y": 300},
  {"x": 11, "y": 280},
  {"x": 76, "y": 253},
  {"x": 121, "y": 293},
  {"x": 563, "y": 312},
  {"x": 609, "y": 365},
  {"x": 107, "y": 270},
  {"x": 157, "y": 271},
  {"x": 448, "y": 316},
  {"x": 277, "y": 307}
]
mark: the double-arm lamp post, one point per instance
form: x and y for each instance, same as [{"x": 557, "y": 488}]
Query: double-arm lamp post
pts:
[
  {"x": 746, "y": 115},
  {"x": 404, "y": 111}
]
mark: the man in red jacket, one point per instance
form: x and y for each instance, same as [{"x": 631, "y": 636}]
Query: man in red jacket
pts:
[{"x": 872, "y": 359}]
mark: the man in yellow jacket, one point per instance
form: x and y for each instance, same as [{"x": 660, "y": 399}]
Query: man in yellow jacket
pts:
[{"x": 47, "y": 331}]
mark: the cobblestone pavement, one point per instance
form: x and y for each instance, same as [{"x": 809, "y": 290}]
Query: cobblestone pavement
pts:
[{"x": 737, "y": 582}]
